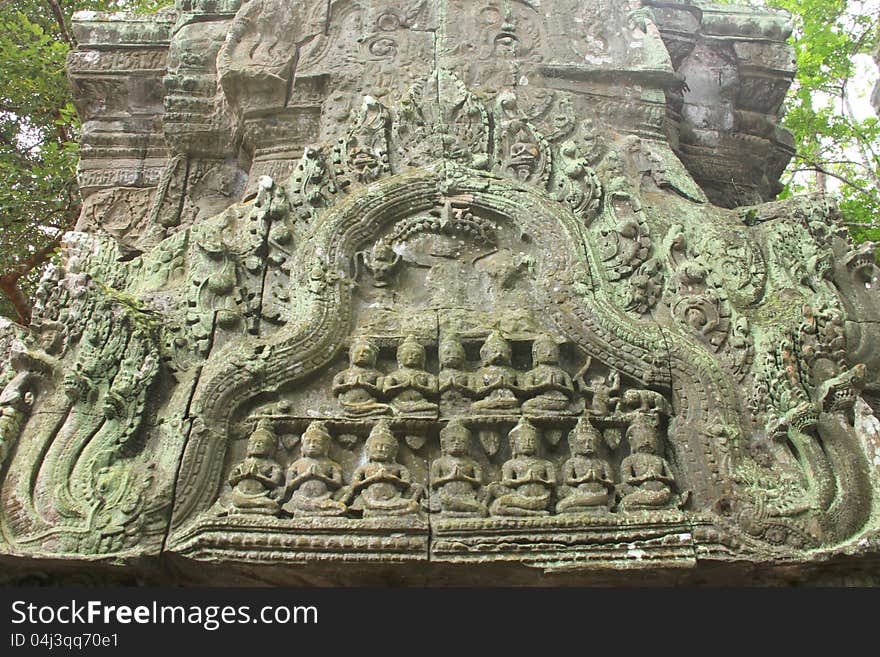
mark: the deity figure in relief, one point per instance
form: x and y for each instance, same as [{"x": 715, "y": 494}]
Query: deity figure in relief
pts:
[
  {"x": 495, "y": 383},
  {"x": 645, "y": 476},
  {"x": 587, "y": 482},
  {"x": 527, "y": 481},
  {"x": 314, "y": 479},
  {"x": 257, "y": 481},
  {"x": 457, "y": 478},
  {"x": 549, "y": 387},
  {"x": 360, "y": 386},
  {"x": 382, "y": 486},
  {"x": 410, "y": 387}
]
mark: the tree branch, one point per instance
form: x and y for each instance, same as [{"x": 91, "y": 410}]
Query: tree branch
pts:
[
  {"x": 9, "y": 280},
  {"x": 58, "y": 13},
  {"x": 817, "y": 169},
  {"x": 20, "y": 303}
]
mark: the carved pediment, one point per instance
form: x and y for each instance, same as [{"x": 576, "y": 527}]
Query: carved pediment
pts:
[{"x": 472, "y": 308}]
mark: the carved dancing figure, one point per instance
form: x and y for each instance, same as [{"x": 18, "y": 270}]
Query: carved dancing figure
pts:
[
  {"x": 383, "y": 262},
  {"x": 645, "y": 476},
  {"x": 456, "y": 477},
  {"x": 359, "y": 386},
  {"x": 410, "y": 388},
  {"x": 587, "y": 482},
  {"x": 495, "y": 381},
  {"x": 604, "y": 392},
  {"x": 257, "y": 481},
  {"x": 315, "y": 479},
  {"x": 382, "y": 486},
  {"x": 527, "y": 481},
  {"x": 549, "y": 386}
]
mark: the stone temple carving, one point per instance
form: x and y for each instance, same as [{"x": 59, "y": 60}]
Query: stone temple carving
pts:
[{"x": 445, "y": 282}]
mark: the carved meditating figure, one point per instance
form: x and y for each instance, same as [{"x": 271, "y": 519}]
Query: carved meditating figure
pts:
[
  {"x": 315, "y": 479},
  {"x": 495, "y": 382},
  {"x": 646, "y": 480},
  {"x": 587, "y": 483},
  {"x": 411, "y": 389},
  {"x": 257, "y": 482},
  {"x": 359, "y": 386},
  {"x": 549, "y": 387},
  {"x": 527, "y": 481},
  {"x": 455, "y": 382},
  {"x": 382, "y": 486},
  {"x": 456, "y": 478}
]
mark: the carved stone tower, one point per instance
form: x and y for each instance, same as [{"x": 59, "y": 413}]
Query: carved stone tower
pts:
[{"x": 380, "y": 287}]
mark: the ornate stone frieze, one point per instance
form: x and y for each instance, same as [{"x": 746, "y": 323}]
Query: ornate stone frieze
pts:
[{"x": 425, "y": 281}]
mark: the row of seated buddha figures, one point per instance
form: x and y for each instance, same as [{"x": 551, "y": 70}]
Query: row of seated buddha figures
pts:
[
  {"x": 496, "y": 387},
  {"x": 529, "y": 485},
  {"x": 314, "y": 484}
]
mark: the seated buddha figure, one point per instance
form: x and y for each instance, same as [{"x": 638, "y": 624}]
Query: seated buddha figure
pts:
[
  {"x": 382, "y": 486},
  {"x": 645, "y": 476},
  {"x": 495, "y": 382},
  {"x": 411, "y": 389},
  {"x": 257, "y": 481},
  {"x": 455, "y": 381},
  {"x": 549, "y": 387},
  {"x": 359, "y": 386},
  {"x": 456, "y": 478},
  {"x": 527, "y": 481},
  {"x": 314, "y": 479},
  {"x": 587, "y": 483}
]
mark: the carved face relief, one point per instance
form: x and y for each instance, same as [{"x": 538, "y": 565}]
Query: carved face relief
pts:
[
  {"x": 315, "y": 442},
  {"x": 363, "y": 353},
  {"x": 262, "y": 443},
  {"x": 545, "y": 352},
  {"x": 495, "y": 350},
  {"x": 455, "y": 440},
  {"x": 411, "y": 354},
  {"x": 451, "y": 354},
  {"x": 524, "y": 439},
  {"x": 584, "y": 439},
  {"x": 642, "y": 436},
  {"x": 382, "y": 447}
]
